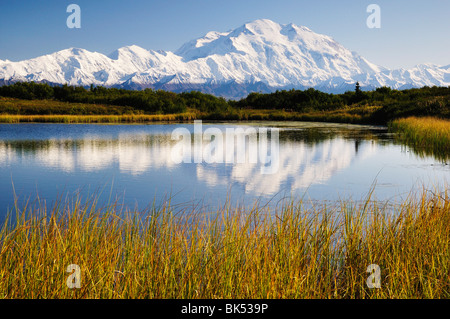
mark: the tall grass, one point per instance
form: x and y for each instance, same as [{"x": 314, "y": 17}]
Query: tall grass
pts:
[
  {"x": 425, "y": 134},
  {"x": 188, "y": 116},
  {"x": 51, "y": 111},
  {"x": 293, "y": 252},
  {"x": 353, "y": 115},
  {"x": 54, "y": 107},
  {"x": 137, "y": 118}
]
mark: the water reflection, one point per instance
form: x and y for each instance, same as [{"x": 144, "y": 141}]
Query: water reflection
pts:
[
  {"x": 303, "y": 162},
  {"x": 322, "y": 158}
]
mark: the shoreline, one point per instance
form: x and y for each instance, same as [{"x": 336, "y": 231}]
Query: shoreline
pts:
[{"x": 242, "y": 116}]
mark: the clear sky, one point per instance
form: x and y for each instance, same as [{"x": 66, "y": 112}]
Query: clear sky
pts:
[{"x": 411, "y": 32}]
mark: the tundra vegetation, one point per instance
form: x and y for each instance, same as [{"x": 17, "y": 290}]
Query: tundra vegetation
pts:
[{"x": 372, "y": 107}]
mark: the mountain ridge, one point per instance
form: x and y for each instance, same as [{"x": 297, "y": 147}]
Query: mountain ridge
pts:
[{"x": 259, "y": 54}]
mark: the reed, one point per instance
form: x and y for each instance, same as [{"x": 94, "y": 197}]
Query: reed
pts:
[
  {"x": 72, "y": 119},
  {"x": 290, "y": 252},
  {"x": 353, "y": 115},
  {"x": 188, "y": 116},
  {"x": 52, "y": 111},
  {"x": 424, "y": 134}
]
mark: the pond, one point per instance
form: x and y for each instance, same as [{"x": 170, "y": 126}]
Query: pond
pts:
[{"x": 139, "y": 165}]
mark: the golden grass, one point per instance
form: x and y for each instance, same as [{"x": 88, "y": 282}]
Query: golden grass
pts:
[
  {"x": 139, "y": 118},
  {"x": 40, "y": 107},
  {"x": 247, "y": 115},
  {"x": 50, "y": 111},
  {"x": 354, "y": 115},
  {"x": 426, "y": 133},
  {"x": 234, "y": 253}
]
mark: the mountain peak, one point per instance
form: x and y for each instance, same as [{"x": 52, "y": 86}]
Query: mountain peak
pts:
[
  {"x": 128, "y": 50},
  {"x": 259, "y": 54},
  {"x": 73, "y": 51},
  {"x": 261, "y": 25},
  {"x": 245, "y": 39},
  {"x": 427, "y": 65},
  {"x": 266, "y": 26},
  {"x": 133, "y": 48},
  {"x": 262, "y": 22}
]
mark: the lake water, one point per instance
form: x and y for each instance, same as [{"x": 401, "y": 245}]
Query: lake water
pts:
[{"x": 137, "y": 165}]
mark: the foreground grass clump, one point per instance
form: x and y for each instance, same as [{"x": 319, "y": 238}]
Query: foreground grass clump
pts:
[
  {"x": 235, "y": 253},
  {"x": 428, "y": 134}
]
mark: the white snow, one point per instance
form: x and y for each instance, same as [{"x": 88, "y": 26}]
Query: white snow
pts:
[{"x": 275, "y": 54}]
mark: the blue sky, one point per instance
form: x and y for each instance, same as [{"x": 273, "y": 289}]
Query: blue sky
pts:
[{"x": 412, "y": 32}]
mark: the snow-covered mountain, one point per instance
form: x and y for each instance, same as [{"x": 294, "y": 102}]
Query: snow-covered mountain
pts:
[{"x": 258, "y": 56}]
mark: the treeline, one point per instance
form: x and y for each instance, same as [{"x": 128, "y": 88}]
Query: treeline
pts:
[
  {"x": 148, "y": 100},
  {"x": 293, "y": 100},
  {"x": 426, "y": 101}
]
